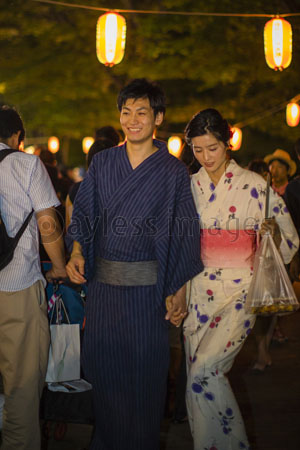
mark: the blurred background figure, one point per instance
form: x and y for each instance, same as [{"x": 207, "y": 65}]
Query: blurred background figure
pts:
[
  {"x": 281, "y": 167},
  {"x": 259, "y": 166},
  {"x": 99, "y": 145},
  {"x": 264, "y": 326},
  {"x": 110, "y": 133}
]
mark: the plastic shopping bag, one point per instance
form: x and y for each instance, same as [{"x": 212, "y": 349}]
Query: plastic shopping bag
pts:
[
  {"x": 64, "y": 353},
  {"x": 270, "y": 291}
]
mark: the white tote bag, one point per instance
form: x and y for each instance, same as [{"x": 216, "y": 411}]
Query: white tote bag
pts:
[{"x": 64, "y": 353}]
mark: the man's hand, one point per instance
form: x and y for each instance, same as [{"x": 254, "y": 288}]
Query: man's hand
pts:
[
  {"x": 176, "y": 307},
  {"x": 75, "y": 268},
  {"x": 271, "y": 226},
  {"x": 56, "y": 273}
]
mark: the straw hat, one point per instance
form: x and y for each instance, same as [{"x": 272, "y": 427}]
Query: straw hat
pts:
[{"x": 282, "y": 155}]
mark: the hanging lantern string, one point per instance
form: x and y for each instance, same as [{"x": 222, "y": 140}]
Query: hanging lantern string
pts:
[
  {"x": 178, "y": 13},
  {"x": 262, "y": 115},
  {"x": 267, "y": 112}
]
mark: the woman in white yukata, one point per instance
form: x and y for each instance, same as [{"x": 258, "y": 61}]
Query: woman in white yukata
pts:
[{"x": 230, "y": 202}]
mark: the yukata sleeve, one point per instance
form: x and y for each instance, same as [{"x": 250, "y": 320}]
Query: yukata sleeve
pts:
[
  {"x": 86, "y": 219},
  {"x": 290, "y": 241},
  {"x": 184, "y": 261}
]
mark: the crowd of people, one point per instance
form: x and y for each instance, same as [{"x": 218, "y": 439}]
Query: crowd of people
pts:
[{"x": 154, "y": 243}]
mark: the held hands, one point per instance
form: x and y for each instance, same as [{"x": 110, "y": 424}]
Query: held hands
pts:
[
  {"x": 176, "y": 307},
  {"x": 271, "y": 226},
  {"x": 75, "y": 268},
  {"x": 56, "y": 273}
]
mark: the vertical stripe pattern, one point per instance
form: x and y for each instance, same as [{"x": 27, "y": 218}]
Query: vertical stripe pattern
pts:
[{"x": 125, "y": 357}]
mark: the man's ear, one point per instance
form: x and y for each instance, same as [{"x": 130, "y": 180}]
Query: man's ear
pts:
[{"x": 159, "y": 118}]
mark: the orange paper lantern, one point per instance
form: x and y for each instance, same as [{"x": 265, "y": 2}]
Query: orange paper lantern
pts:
[
  {"x": 110, "y": 38},
  {"x": 53, "y": 144},
  {"x": 278, "y": 43},
  {"x": 236, "y": 140},
  {"x": 86, "y": 143},
  {"x": 174, "y": 145},
  {"x": 292, "y": 114}
]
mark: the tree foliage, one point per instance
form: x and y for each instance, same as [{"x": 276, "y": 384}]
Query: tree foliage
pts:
[{"x": 49, "y": 69}]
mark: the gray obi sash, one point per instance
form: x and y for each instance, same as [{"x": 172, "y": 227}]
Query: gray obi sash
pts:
[{"x": 124, "y": 273}]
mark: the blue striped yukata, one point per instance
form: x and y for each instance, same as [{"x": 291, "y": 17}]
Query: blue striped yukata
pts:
[{"x": 128, "y": 215}]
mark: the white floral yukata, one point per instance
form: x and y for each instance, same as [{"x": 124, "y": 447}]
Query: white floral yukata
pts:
[{"x": 217, "y": 324}]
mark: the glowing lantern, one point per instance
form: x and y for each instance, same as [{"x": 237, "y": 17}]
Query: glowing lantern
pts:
[
  {"x": 236, "y": 140},
  {"x": 110, "y": 38},
  {"x": 278, "y": 43},
  {"x": 86, "y": 144},
  {"x": 292, "y": 114},
  {"x": 174, "y": 146},
  {"x": 30, "y": 150},
  {"x": 53, "y": 144}
]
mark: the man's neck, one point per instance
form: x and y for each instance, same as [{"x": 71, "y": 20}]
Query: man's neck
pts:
[{"x": 138, "y": 152}]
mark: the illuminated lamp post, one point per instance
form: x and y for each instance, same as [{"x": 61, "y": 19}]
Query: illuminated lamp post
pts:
[
  {"x": 175, "y": 145},
  {"x": 110, "y": 38},
  {"x": 53, "y": 144},
  {"x": 86, "y": 143},
  {"x": 292, "y": 114},
  {"x": 278, "y": 43},
  {"x": 236, "y": 139}
]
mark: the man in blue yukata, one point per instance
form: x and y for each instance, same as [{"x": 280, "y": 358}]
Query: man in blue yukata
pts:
[{"x": 136, "y": 240}]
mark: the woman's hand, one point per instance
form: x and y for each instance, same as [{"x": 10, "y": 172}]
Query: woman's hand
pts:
[
  {"x": 75, "y": 268},
  {"x": 271, "y": 226}
]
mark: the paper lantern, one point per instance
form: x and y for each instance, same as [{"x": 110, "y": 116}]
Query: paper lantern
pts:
[
  {"x": 292, "y": 114},
  {"x": 236, "y": 140},
  {"x": 86, "y": 143},
  {"x": 174, "y": 145},
  {"x": 110, "y": 38},
  {"x": 278, "y": 43},
  {"x": 53, "y": 144}
]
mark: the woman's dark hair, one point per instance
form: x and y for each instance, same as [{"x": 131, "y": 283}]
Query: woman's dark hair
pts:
[
  {"x": 98, "y": 146},
  {"x": 208, "y": 121},
  {"x": 143, "y": 88},
  {"x": 187, "y": 157},
  {"x": 10, "y": 123}
]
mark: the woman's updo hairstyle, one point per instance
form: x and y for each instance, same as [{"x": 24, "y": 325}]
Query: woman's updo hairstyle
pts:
[{"x": 208, "y": 121}]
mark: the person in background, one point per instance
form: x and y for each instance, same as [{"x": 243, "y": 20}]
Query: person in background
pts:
[
  {"x": 264, "y": 326},
  {"x": 99, "y": 145},
  {"x": 108, "y": 132},
  {"x": 281, "y": 167},
  {"x": 292, "y": 199},
  {"x": 230, "y": 201},
  {"x": 24, "y": 328},
  {"x": 135, "y": 235}
]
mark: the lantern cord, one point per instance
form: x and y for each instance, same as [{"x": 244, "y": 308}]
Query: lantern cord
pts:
[
  {"x": 178, "y": 13},
  {"x": 266, "y": 113}
]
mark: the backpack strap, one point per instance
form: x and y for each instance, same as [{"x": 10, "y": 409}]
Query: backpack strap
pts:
[{"x": 5, "y": 152}]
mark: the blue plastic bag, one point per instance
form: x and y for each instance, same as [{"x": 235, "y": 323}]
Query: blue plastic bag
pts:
[{"x": 73, "y": 296}]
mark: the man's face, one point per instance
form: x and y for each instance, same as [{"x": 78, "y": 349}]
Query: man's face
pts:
[
  {"x": 279, "y": 172},
  {"x": 137, "y": 120}
]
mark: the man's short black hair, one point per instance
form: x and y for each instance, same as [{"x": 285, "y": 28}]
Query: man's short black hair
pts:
[
  {"x": 143, "y": 88},
  {"x": 10, "y": 123}
]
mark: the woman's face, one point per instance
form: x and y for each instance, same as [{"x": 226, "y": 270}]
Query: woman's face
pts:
[{"x": 210, "y": 153}]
